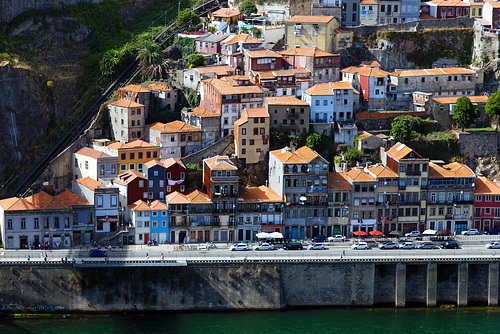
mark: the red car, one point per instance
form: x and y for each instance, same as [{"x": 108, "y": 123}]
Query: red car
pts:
[{"x": 444, "y": 232}]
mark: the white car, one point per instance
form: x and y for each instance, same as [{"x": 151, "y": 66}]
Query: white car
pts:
[
  {"x": 263, "y": 246},
  {"x": 493, "y": 245},
  {"x": 407, "y": 245},
  {"x": 337, "y": 237},
  {"x": 239, "y": 247},
  {"x": 471, "y": 231},
  {"x": 412, "y": 234},
  {"x": 360, "y": 245},
  {"x": 316, "y": 246}
]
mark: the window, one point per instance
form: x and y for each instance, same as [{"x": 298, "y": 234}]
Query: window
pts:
[
  {"x": 66, "y": 222},
  {"x": 9, "y": 224},
  {"x": 243, "y": 131},
  {"x": 255, "y": 131},
  {"x": 23, "y": 223},
  {"x": 132, "y": 156},
  {"x": 99, "y": 201},
  {"x": 141, "y": 183},
  {"x": 252, "y": 142},
  {"x": 36, "y": 223},
  {"x": 182, "y": 175},
  {"x": 243, "y": 151},
  {"x": 243, "y": 142},
  {"x": 56, "y": 222}
]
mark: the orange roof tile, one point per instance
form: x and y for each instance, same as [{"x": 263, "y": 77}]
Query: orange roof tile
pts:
[
  {"x": 139, "y": 205},
  {"x": 159, "y": 86},
  {"x": 90, "y": 183},
  {"x": 220, "y": 162},
  {"x": 257, "y": 112},
  {"x": 225, "y": 88},
  {"x": 171, "y": 161},
  {"x": 243, "y": 38},
  {"x": 221, "y": 70},
  {"x": 42, "y": 200},
  {"x": 381, "y": 171},
  {"x": 486, "y": 186},
  {"x": 338, "y": 181},
  {"x": 198, "y": 197},
  {"x": 369, "y": 2},
  {"x": 133, "y": 144},
  {"x": 302, "y": 155},
  {"x": 310, "y": 19},
  {"x": 158, "y": 205},
  {"x": 16, "y": 204},
  {"x": 366, "y": 71},
  {"x": 173, "y": 127},
  {"x": 177, "y": 198},
  {"x": 453, "y": 99},
  {"x": 371, "y": 63},
  {"x": 364, "y": 134},
  {"x": 285, "y": 100},
  {"x": 240, "y": 121},
  {"x": 436, "y": 171},
  {"x": 128, "y": 176},
  {"x": 327, "y": 88},
  {"x": 261, "y": 194},
  {"x": 204, "y": 112},
  {"x": 262, "y": 53},
  {"x": 400, "y": 151},
  {"x": 434, "y": 71},
  {"x": 307, "y": 52},
  {"x": 448, "y": 3},
  {"x": 307, "y": 153},
  {"x": 459, "y": 170},
  {"x": 135, "y": 88},
  {"x": 126, "y": 104},
  {"x": 226, "y": 12},
  {"x": 359, "y": 175},
  {"x": 68, "y": 198},
  {"x": 90, "y": 152}
]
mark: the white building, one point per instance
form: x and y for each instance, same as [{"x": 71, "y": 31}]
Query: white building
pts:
[
  {"x": 140, "y": 212},
  {"x": 95, "y": 164}
]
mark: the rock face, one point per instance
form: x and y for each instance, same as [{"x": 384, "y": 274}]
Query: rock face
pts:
[{"x": 488, "y": 167}]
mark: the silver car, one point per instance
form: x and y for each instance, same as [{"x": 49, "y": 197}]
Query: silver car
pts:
[
  {"x": 360, "y": 245},
  {"x": 493, "y": 245},
  {"x": 239, "y": 247},
  {"x": 263, "y": 246},
  {"x": 316, "y": 246}
]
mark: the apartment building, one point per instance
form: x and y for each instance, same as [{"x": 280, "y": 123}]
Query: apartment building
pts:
[{"x": 251, "y": 135}]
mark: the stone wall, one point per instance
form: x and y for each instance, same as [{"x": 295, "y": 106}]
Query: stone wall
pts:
[
  {"x": 216, "y": 148},
  {"x": 477, "y": 144}
]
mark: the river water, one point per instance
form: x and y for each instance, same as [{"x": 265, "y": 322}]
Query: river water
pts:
[{"x": 339, "y": 321}]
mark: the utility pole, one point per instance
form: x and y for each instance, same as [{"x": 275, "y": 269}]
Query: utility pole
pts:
[{"x": 178, "y": 8}]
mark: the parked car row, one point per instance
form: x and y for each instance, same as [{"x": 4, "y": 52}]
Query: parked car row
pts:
[{"x": 451, "y": 244}]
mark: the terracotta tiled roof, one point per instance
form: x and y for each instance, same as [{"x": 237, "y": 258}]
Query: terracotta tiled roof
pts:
[
  {"x": 171, "y": 161},
  {"x": 240, "y": 121},
  {"x": 16, "y": 204},
  {"x": 158, "y": 205},
  {"x": 225, "y": 88},
  {"x": 257, "y": 112},
  {"x": 226, "y": 12},
  {"x": 221, "y": 70},
  {"x": 262, "y": 53},
  {"x": 135, "y": 88},
  {"x": 400, "y": 151},
  {"x": 436, "y": 171},
  {"x": 459, "y": 170},
  {"x": 202, "y": 112},
  {"x": 359, "y": 175},
  {"x": 139, "y": 205},
  {"x": 70, "y": 199},
  {"x": 366, "y": 71},
  {"x": 381, "y": 171},
  {"x": 90, "y": 183},
  {"x": 285, "y": 101},
  {"x": 327, "y": 88},
  {"x": 307, "y": 52},
  {"x": 369, "y": 2},
  {"x": 310, "y": 19},
  {"x": 177, "y": 198},
  {"x": 126, "y": 104},
  {"x": 243, "y": 38},
  {"x": 343, "y": 31},
  {"x": 338, "y": 181},
  {"x": 453, "y": 99},
  {"x": 371, "y": 63},
  {"x": 448, "y": 3},
  {"x": 42, "y": 200},
  {"x": 434, "y": 71},
  {"x": 486, "y": 186},
  {"x": 260, "y": 194},
  {"x": 302, "y": 155},
  {"x": 364, "y": 135},
  {"x": 128, "y": 176},
  {"x": 220, "y": 162},
  {"x": 173, "y": 127},
  {"x": 198, "y": 197},
  {"x": 90, "y": 152},
  {"x": 133, "y": 144},
  {"x": 159, "y": 86},
  {"x": 307, "y": 154}
]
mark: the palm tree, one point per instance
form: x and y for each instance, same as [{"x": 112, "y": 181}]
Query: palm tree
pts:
[
  {"x": 152, "y": 60},
  {"x": 110, "y": 61}
]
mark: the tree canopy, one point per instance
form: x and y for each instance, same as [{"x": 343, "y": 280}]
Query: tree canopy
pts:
[
  {"x": 465, "y": 112},
  {"x": 195, "y": 60},
  {"x": 402, "y": 128},
  {"x": 353, "y": 154},
  {"x": 493, "y": 105},
  {"x": 186, "y": 16},
  {"x": 313, "y": 141},
  {"x": 152, "y": 60},
  {"x": 247, "y": 7}
]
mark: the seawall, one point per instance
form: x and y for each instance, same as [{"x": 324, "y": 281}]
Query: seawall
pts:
[{"x": 232, "y": 285}]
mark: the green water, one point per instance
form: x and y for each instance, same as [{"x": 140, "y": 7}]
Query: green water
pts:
[{"x": 351, "y": 321}]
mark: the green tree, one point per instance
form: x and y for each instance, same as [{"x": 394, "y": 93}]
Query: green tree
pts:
[
  {"x": 402, "y": 128},
  {"x": 186, "y": 16},
  {"x": 353, "y": 154},
  {"x": 465, "y": 112},
  {"x": 247, "y": 7},
  {"x": 152, "y": 60},
  {"x": 313, "y": 141},
  {"x": 493, "y": 105},
  {"x": 195, "y": 60},
  {"x": 110, "y": 60}
]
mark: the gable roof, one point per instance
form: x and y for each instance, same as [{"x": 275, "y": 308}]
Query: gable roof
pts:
[
  {"x": 158, "y": 205},
  {"x": 257, "y": 112},
  {"x": 90, "y": 183},
  {"x": 453, "y": 99},
  {"x": 401, "y": 151},
  {"x": 359, "y": 175},
  {"x": 139, "y": 205},
  {"x": 262, "y": 53},
  {"x": 135, "y": 89},
  {"x": 177, "y": 198},
  {"x": 285, "y": 100},
  {"x": 371, "y": 63},
  {"x": 364, "y": 135},
  {"x": 243, "y": 38},
  {"x": 459, "y": 170},
  {"x": 133, "y": 144},
  {"x": 307, "y": 52},
  {"x": 366, "y": 71},
  {"x": 198, "y": 197},
  {"x": 220, "y": 162},
  {"x": 261, "y": 194},
  {"x": 379, "y": 170},
  {"x": 302, "y": 155},
  {"x": 91, "y": 153},
  {"x": 327, "y": 88},
  {"x": 126, "y": 177},
  {"x": 310, "y": 19},
  {"x": 221, "y": 70},
  {"x": 16, "y": 204},
  {"x": 202, "y": 112},
  {"x": 434, "y": 71},
  {"x": 172, "y": 161},
  {"x": 486, "y": 186},
  {"x": 226, "y": 12},
  {"x": 338, "y": 181},
  {"x": 225, "y": 88},
  {"x": 437, "y": 171},
  {"x": 159, "y": 86},
  {"x": 69, "y": 199},
  {"x": 126, "y": 103},
  {"x": 448, "y": 3},
  {"x": 173, "y": 127},
  {"x": 42, "y": 200}
]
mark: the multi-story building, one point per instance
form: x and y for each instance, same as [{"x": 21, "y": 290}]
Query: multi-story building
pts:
[
  {"x": 43, "y": 218},
  {"x": 165, "y": 176},
  {"x": 262, "y": 60},
  {"x": 259, "y": 209},
  {"x": 441, "y": 82},
  {"x": 342, "y": 39},
  {"x": 331, "y": 102},
  {"x": 283, "y": 82},
  {"x": 300, "y": 177},
  {"x": 220, "y": 179},
  {"x": 410, "y": 10},
  {"x": 491, "y": 13},
  {"x": 192, "y": 77},
  {"x": 229, "y": 97},
  {"x": 413, "y": 176},
  {"x": 371, "y": 83},
  {"x": 363, "y": 213},
  {"x": 95, "y": 164},
  {"x": 159, "y": 221},
  {"x": 486, "y": 204},
  {"x": 339, "y": 201},
  {"x": 443, "y": 108},
  {"x": 177, "y": 139},
  {"x": 327, "y": 8},
  {"x": 288, "y": 113},
  {"x": 138, "y": 94},
  {"x": 133, "y": 186},
  {"x": 140, "y": 218},
  {"x": 448, "y": 9},
  {"x": 200, "y": 217},
  {"x": 162, "y": 96},
  {"x": 132, "y": 155},
  {"x": 476, "y": 8},
  {"x": 389, "y": 11},
  {"x": 368, "y": 13},
  {"x": 387, "y": 197},
  {"x": 178, "y": 210},
  {"x": 210, "y": 44},
  {"x": 232, "y": 50},
  {"x": 205, "y": 120},
  {"x": 311, "y": 31},
  {"x": 108, "y": 208},
  {"x": 127, "y": 119},
  {"x": 324, "y": 66},
  {"x": 350, "y": 13},
  {"x": 251, "y": 135},
  {"x": 450, "y": 197}
]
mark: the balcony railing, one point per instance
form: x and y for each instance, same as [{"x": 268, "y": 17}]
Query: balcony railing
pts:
[{"x": 413, "y": 172}]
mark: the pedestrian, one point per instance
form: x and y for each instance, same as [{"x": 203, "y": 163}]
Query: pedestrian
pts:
[
  {"x": 41, "y": 256},
  {"x": 343, "y": 253},
  {"x": 28, "y": 257},
  {"x": 45, "y": 258},
  {"x": 147, "y": 256},
  {"x": 162, "y": 257}
]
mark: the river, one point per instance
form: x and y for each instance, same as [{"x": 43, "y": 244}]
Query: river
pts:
[{"x": 339, "y": 321}]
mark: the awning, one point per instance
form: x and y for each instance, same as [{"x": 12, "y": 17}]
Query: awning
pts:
[
  {"x": 262, "y": 235},
  {"x": 111, "y": 219},
  {"x": 378, "y": 233},
  {"x": 429, "y": 232},
  {"x": 276, "y": 235},
  {"x": 359, "y": 233},
  {"x": 394, "y": 234}
]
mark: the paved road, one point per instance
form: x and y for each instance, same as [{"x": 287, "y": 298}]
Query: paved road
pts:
[{"x": 333, "y": 251}]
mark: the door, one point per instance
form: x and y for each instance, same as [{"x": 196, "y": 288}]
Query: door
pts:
[
  {"x": 207, "y": 235},
  {"x": 200, "y": 236},
  {"x": 146, "y": 238},
  {"x": 172, "y": 237},
  {"x": 295, "y": 233}
]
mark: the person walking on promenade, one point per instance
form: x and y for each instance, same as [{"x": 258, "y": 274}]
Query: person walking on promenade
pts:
[
  {"x": 147, "y": 256},
  {"x": 162, "y": 257}
]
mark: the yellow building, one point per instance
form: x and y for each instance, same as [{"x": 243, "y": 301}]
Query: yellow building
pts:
[
  {"x": 476, "y": 8},
  {"x": 228, "y": 15},
  {"x": 251, "y": 135},
  {"x": 342, "y": 39},
  {"x": 368, "y": 13},
  {"x": 133, "y": 155},
  {"x": 311, "y": 31}
]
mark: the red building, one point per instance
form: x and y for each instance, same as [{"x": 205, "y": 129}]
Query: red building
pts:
[
  {"x": 262, "y": 60},
  {"x": 486, "y": 204},
  {"x": 448, "y": 9},
  {"x": 133, "y": 186},
  {"x": 209, "y": 44},
  {"x": 232, "y": 49},
  {"x": 324, "y": 66},
  {"x": 175, "y": 175}
]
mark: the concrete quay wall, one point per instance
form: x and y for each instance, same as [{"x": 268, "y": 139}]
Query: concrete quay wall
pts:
[{"x": 236, "y": 285}]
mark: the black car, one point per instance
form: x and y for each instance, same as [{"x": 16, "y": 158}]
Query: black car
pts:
[
  {"x": 320, "y": 238},
  {"x": 97, "y": 253},
  {"x": 293, "y": 246},
  {"x": 493, "y": 231},
  {"x": 450, "y": 245}
]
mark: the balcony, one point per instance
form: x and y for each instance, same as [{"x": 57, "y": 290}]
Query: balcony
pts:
[
  {"x": 316, "y": 190},
  {"x": 293, "y": 115},
  {"x": 413, "y": 172},
  {"x": 448, "y": 216},
  {"x": 463, "y": 202},
  {"x": 409, "y": 203}
]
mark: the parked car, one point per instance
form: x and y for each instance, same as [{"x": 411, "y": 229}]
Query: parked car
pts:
[
  {"x": 450, "y": 245},
  {"x": 427, "y": 245},
  {"x": 493, "y": 231},
  {"x": 316, "y": 246},
  {"x": 412, "y": 234},
  {"x": 319, "y": 238},
  {"x": 337, "y": 237},
  {"x": 388, "y": 245},
  {"x": 407, "y": 245},
  {"x": 493, "y": 245},
  {"x": 97, "y": 253},
  {"x": 293, "y": 246},
  {"x": 471, "y": 231},
  {"x": 263, "y": 246},
  {"x": 360, "y": 245},
  {"x": 239, "y": 247}
]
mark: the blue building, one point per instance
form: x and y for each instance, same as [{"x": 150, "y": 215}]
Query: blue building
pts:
[
  {"x": 156, "y": 175},
  {"x": 410, "y": 10},
  {"x": 159, "y": 221}
]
